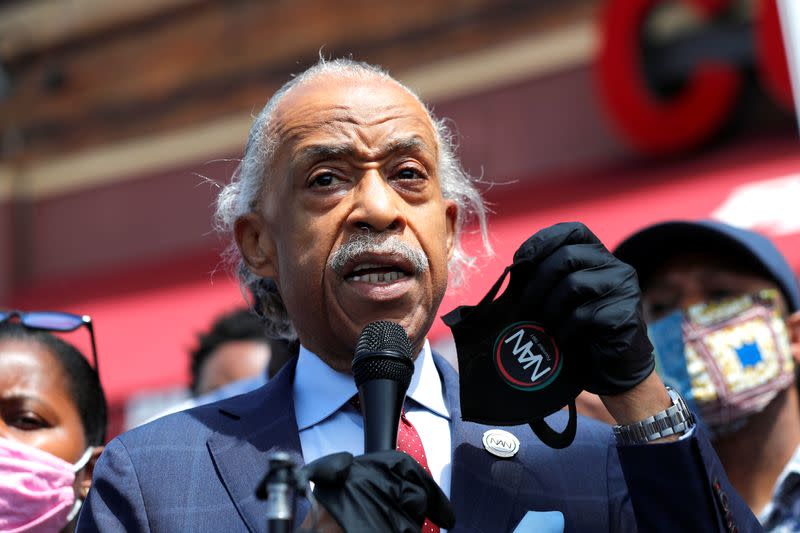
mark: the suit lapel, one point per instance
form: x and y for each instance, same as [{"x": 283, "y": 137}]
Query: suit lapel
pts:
[
  {"x": 261, "y": 425},
  {"x": 482, "y": 486}
]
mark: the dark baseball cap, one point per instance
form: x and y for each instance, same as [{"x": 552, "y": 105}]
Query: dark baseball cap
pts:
[{"x": 650, "y": 247}]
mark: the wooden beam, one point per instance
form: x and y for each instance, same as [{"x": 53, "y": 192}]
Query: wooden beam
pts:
[
  {"x": 30, "y": 26},
  {"x": 526, "y": 58},
  {"x": 522, "y": 59},
  {"x": 219, "y": 59}
]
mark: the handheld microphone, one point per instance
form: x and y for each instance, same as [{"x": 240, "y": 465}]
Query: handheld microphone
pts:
[{"x": 382, "y": 369}]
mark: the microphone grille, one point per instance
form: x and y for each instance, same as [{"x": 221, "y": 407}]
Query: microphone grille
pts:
[
  {"x": 383, "y": 352},
  {"x": 371, "y": 368},
  {"x": 383, "y": 336}
]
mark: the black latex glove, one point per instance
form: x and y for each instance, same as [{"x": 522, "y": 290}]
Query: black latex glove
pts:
[
  {"x": 381, "y": 491},
  {"x": 590, "y": 302}
]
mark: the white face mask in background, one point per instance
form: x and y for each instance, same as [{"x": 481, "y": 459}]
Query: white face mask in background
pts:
[{"x": 36, "y": 488}]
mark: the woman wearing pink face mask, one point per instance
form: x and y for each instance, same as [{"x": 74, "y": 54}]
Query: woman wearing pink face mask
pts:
[{"x": 52, "y": 428}]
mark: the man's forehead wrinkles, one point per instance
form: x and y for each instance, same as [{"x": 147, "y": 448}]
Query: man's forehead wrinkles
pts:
[
  {"x": 366, "y": 113},
  {"x": 322, "y": 151},
  {"x": 384, "y": 114},
  {"x": 334, "y": 121}
]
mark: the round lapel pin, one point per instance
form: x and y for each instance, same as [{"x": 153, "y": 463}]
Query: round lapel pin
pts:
[{"x": 500, "y": 443}]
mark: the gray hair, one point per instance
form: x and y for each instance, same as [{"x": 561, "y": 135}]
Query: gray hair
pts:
[{"x": 251, "y": 177}]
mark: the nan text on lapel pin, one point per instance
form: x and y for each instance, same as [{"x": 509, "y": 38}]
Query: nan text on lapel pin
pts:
[{"x": 500, "y": 443}]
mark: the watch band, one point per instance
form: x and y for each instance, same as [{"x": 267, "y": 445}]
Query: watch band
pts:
[{"x": 674, "y": 420}]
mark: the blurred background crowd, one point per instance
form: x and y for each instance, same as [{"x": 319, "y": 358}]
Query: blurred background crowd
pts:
[{"x": 118, "y": 120}]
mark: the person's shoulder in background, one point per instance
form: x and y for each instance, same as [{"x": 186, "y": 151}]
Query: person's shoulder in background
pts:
[{"x": 236, "y": 388}]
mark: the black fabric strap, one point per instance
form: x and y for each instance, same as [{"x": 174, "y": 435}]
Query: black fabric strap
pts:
[{"x": 553, "y": 438}]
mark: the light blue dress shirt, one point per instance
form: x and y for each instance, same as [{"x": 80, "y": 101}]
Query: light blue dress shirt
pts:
[{"x": 329, "y": 424}]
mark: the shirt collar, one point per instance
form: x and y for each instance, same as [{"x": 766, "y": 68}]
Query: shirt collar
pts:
[
  {"x": 320, "y": 391},
  {"x": 426, "y": 384}
]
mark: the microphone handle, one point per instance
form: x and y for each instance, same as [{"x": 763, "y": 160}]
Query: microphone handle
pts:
[
  {"x": 280, "y": 526},
  {"x": 381, "y": 404},
  {"x": 280, "y": 488}
]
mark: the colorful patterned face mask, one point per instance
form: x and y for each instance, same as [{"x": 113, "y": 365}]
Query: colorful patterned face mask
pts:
[{"x": 728, "y": 358}]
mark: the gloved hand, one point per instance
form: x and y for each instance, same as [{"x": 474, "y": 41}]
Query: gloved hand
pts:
[
  {"x": 382, "y": 491},
  {"x": 590, "y": 302}
]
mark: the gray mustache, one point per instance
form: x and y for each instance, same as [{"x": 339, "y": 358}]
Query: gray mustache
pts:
[{"x": 372, "y": 243}]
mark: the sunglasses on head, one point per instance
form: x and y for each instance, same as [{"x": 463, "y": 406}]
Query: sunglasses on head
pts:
[{"x": 53, "y": 321}]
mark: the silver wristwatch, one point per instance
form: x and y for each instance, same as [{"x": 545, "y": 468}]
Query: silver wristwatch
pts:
[{"x": 674, "y": 420}]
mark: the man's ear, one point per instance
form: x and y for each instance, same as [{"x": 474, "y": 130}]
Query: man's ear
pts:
[
  {"x": 256, "y": 245},
  {"x": 793, "y": 322},
  {"x": 88, "y": 472},
  {"x": 451, "y": 213}
]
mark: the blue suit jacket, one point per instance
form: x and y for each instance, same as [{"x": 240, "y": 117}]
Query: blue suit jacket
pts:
[{"x": 197, "y": 470}]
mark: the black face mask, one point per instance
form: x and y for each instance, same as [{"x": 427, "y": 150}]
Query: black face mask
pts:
[{"x": 510, "y": 369}]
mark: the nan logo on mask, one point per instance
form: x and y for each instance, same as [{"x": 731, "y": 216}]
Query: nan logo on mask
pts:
[{"x": 526, "y": 357}]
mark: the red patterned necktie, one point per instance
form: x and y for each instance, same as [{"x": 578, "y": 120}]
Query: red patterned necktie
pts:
[{"x": 408, "y": 441}]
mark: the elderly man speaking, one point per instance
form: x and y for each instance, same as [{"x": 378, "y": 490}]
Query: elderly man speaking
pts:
[{"x": 346, "y": 209}]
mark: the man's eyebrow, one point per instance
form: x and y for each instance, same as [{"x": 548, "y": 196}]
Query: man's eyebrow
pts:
[
  {"x": 408, "y": 144},
  {"x": 322, "y": 152}
]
